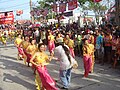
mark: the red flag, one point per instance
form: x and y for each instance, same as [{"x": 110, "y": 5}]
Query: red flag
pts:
[
  {"x": 72, "y": 4},
  {"x": 54, "y": 6},
  {"x": 62, "y": 7},
  {"x": 19, "y": 12},
  {"x": 96, "y": 0}
]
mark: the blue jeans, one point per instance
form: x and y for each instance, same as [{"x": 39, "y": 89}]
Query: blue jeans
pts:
[{"x": 65, "y": 77}]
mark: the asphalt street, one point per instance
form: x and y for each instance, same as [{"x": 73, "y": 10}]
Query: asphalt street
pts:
[{"x": 14, "y": 75}]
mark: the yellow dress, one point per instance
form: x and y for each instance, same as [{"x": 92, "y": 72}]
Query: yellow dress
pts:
[
  {"x": 18, "y": 41},
  {"x": 71, "y": 43},
  {"x": 88, "y": 49},
  {"x": 93, "y": 56},
  {"x": 25, "y": 44},
  {"x": 40, "y": 59},
  {"x": 32, "y": 49},
  {"x": 3, "y": 39},
  {"x": 51, "y": 37},
  {"x": 0, "y": 37}
]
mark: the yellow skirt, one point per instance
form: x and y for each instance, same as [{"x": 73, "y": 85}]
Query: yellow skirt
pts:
[
  {"x": 0, "y": 39},
  {"x": 38, "y": 81},
  {"x": 3, "y": 40}
]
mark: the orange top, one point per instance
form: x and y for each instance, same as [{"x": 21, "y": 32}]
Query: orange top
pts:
[{"x": 108, "y": 40}]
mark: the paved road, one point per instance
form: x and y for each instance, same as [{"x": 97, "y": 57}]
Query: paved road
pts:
[{"x": 14, "y": 75}]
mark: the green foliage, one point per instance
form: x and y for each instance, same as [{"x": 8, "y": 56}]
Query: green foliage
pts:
[
  {"x": 97, "y": 7},
  {"x": 82, "y": 2},
  {"x": 51, "y": 15},
  {"x": 44, "y": 4}
]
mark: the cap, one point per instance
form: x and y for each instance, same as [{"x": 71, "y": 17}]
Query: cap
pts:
[
  {"x": 96, "y": 28},
  {"x": 60, "y": 40},
  {"x": 91, "y": 32}
]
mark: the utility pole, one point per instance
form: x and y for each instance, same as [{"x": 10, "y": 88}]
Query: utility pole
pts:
[
  {"x": 32, "y": 17},
  {"x": 117, "y": 17}
]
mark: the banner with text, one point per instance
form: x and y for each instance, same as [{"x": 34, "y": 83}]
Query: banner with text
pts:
[
  {"x": 72, "y": 4},
  {"x": 7, "y": 17},
  {"x": 62, "y": 7}
]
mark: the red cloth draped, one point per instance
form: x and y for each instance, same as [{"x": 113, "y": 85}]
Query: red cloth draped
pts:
[
  {"x": 29, "y": 56},
  {"x": 51, "y": 46},
  {"x": 47, "y": 82},
  {"x": 20, "y": 51}
]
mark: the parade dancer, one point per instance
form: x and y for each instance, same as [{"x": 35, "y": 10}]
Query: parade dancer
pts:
[
  {"x": 51, "y": 44},
  {"x": 70, "y": 43},
  {"x": 17, "y": 43},
  {"x": 87, "y": 57},
  {"x": 25, "y": 44},
  {"x": 31, "y": 49},
  {"x": 4, "y": 38},
  {"x": 43, "y": 79}
]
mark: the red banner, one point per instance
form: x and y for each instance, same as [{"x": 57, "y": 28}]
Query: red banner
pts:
[
  {"x": 62, "y": 7},
  {"x": 6, "y": 17},
  {"x": 54, "y": 6},
  {"x": 96, "y": 0},
  {"x": 72, "y": 4}
]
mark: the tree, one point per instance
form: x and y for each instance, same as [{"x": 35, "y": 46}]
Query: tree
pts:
[
  {"x": 46, "y": 4},
  {"x": 97, "y": 8}
]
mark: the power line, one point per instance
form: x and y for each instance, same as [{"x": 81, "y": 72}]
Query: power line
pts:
[
  {"x": 21, "y": 8},
  {"x": 6, "y": 1},
  {"x": 17, "y": 5}
]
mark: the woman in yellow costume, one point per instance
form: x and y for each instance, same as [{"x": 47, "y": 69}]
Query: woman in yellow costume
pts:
[
  {"x": 0, "y": 36},
  {"x": 70, "y": 43},
  {"x": 31, "y": 49},
  {"x": 43, "y": 80},
  {"x": 88, "y": 50},
  {"x": 25, "y": 44},
  {"x": 51, "y": 44},
  {"x": 13, "y": 34},
  {"x": 4, "y": 38},
  {"x": 17, "y": 43}
]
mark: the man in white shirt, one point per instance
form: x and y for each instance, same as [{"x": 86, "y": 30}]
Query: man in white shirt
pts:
[{"x": 37, "y": 35}]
